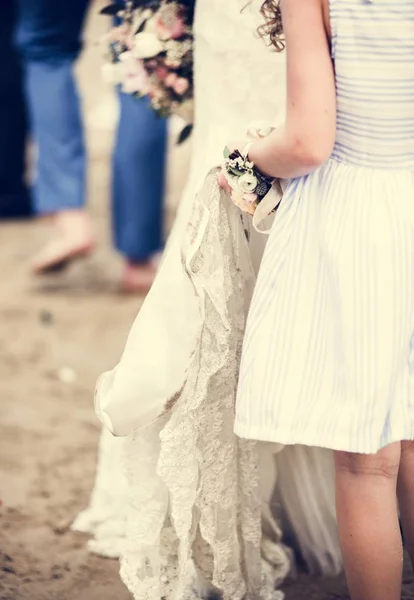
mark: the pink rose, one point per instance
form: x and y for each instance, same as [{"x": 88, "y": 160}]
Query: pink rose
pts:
[
  {"x": 135, "y": 76},
  {"x": 171, "y": 80},
  {"x": 181, "y": 86},
  {"x": 162, "y": 73},
  {"x": 169, "y": 25},
  {"x": 173, "y": 32}
]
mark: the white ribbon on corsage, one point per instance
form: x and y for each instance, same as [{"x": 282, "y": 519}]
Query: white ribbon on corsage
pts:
[{"x": 268, "y": 203}]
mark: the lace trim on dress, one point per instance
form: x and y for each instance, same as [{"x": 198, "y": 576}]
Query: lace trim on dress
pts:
[{"x": 195, "y": 513}]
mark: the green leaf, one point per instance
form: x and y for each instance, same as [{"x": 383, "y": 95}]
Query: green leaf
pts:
[{"x": 235, "y": 171}]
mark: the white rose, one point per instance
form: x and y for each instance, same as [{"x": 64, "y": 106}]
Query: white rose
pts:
[
  {"x": 233, "y": 181},
  {"x": 147, "y": 45},
  {"x": 126, "y": 56},
  {"x": 150, "y": 25},
  {"x": 247, "y": 183}
]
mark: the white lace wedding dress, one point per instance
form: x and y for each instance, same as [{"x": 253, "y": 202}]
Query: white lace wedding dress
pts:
[{"x": 189, "y": 507}]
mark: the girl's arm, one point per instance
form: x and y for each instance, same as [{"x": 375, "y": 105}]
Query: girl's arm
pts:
[{"x": 306, "y": 140}]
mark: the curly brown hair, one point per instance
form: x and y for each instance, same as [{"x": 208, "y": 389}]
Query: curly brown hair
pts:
[{"x": 272, "y": 27}]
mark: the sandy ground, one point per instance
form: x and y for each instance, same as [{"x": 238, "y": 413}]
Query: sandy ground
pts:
[{"x": 56, "y": 337}]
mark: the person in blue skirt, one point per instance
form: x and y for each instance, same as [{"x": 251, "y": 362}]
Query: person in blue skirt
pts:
[{"x": 48, "y": 37}]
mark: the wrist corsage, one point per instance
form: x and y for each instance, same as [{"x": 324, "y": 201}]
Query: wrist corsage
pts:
[{"x": 249, "y": 186}]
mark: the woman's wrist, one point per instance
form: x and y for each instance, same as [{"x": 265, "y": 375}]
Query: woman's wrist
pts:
[
  {"x": 243, "y": 174},
  {"x": 248, "y": 186}
]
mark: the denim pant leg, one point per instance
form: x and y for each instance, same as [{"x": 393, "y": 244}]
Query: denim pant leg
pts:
[
  {"x": 48, "y": 37},
  {"x": 139, "y": 162},
  {"x": 14, "y": 196}
]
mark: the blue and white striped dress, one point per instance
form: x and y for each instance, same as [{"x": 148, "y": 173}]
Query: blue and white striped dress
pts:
[{"x": 328, "y": 357}]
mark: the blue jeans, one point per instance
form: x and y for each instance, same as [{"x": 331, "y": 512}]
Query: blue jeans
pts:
[
  {"x": 49, "y": 39},
  {"x": 48, "y": 36},
  {"x": 138, "y": 180}
]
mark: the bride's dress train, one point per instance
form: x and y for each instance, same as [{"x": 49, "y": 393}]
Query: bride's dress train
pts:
[
  {"x": 190, "y": 508},
  {"x": 105, "y": 517}
]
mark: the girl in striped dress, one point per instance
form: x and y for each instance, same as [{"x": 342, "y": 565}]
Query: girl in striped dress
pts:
[{"x": 328, "y": 356}]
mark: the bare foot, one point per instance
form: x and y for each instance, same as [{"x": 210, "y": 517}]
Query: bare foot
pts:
[
  {"x": 72, "y": 240},
  {"x": 138, "y": 278}
]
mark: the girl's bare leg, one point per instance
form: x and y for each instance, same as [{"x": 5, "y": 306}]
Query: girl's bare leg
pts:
[
  {"x": 406, "y": 495},
  {"x": 369, "y": 532}
]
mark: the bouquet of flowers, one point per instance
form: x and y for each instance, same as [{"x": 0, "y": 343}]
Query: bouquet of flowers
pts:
[
  {"x": 150, "y": 53},
  {"x": 248, "y": 185}
]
